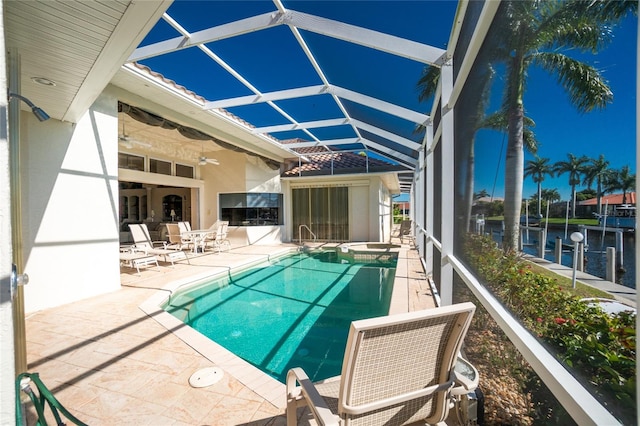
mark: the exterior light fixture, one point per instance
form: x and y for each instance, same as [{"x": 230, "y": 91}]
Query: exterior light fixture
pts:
[
  {"x": 576, "y": 237},
  {"x": 43, "y": 81},
  {"x": 38, "y": 112}
]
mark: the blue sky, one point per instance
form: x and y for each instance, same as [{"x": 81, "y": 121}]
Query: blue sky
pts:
[{"x": 271, "y": 60}]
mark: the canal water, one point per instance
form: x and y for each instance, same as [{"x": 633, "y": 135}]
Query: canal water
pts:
[{"x": 595, "y": 251}]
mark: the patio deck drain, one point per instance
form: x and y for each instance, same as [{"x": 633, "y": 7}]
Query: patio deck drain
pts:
[{"x": 205, "y": 377}]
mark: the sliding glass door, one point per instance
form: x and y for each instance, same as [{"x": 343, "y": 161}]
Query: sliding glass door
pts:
[{"x": 324, "y": 210}]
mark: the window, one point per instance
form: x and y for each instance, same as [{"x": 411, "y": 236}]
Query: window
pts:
[
  {"x": 251, "y": 208},
  {"x": 160, "y": 167},
  {"x": 184, "y": 171},
  {"x": 131, "y": 162}
]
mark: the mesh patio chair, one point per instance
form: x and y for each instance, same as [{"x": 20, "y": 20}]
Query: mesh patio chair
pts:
[
  {"x": 142, "y": 243},
  {"x": 220, "y": 241},
  {"x": 176, "y": 240},
  {"x": 405, "y": 230},
  {"x": 397, "y": 370}
]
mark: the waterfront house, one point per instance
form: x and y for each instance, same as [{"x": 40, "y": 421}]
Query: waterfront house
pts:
[{"x": 127, "y": 144}]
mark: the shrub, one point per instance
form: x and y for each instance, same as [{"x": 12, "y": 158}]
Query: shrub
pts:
[{"x": 598, "y": 348}]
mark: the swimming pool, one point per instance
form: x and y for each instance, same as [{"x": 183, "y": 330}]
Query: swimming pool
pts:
[{"x": 294, "y": 311}]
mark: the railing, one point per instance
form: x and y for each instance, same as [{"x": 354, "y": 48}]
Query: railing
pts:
[{"x": 308, "y": 229}]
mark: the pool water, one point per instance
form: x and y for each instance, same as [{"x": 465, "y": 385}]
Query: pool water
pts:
[{"x": 293, "y": 312}]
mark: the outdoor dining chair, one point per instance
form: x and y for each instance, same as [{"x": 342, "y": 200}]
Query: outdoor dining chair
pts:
[{"x": 397, "y": 370}]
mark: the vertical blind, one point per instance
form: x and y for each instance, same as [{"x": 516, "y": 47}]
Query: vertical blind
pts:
[{"x": 324, "y": 210}]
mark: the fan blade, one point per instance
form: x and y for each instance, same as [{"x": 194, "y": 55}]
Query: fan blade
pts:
[
  {"x": 203, "y": 161},
  {"x": 127, "y": 142}
]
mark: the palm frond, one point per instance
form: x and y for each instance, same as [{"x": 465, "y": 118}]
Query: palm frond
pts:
[
  {"x": 566, "y": 25},
  {"x": 529, "y": 140},
  {"x": 579, "y": 33},
  {"x": 605, "y": 10},
  {"x": 586, "y": 87},
  {"x": 428, "y": 83}
]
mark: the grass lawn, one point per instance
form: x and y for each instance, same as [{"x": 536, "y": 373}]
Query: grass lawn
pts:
[{"x": 581, "y": 290}]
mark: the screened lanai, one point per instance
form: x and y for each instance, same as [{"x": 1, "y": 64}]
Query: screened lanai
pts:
[
  {"x": 283, "y": 82},
  {"x": 319, "y": 73},
  {"x": 293, "y": 75}
]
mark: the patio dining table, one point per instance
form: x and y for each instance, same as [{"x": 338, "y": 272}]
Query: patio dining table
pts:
[{"x": 198, "y": 236}]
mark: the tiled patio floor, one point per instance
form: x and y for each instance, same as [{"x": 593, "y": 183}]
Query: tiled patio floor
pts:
[{"x": 110, "y": 363}]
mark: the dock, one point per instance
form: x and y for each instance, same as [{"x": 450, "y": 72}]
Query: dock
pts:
[{"x": 621, "y": 293}]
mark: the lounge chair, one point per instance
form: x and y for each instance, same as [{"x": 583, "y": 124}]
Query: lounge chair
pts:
[
  {"x": 131, "y": 259},
  {"x": 405, "y": 230},
  {"x": 142, "y": 243},
  {"x": 220, "y": 241},
  {"x": 397, "y": 370},
  {"x": 177, "y": 241}
]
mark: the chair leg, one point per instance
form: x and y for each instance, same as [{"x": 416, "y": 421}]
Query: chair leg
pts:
[{"x": 292, "y": 412}]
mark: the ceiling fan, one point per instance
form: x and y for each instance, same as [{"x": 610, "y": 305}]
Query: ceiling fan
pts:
[
  {"x": 128, "y": 142},
  {"x": 203, "y": 161}
]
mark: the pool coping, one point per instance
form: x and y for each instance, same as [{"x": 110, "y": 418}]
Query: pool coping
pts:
[{"x": 250, "y": 376}]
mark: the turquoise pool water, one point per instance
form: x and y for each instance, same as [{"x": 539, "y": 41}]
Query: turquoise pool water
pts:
[{"x": 294, "y": 312}]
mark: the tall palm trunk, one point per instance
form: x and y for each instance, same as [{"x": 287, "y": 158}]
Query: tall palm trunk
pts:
[
  {"x": 514, "y": 163},
  {"x": 599, "y": 196},
  {"x": 539, "y": 198},
  {"x": 469, "y": 184},
  {"x": 514, "y": 169}
]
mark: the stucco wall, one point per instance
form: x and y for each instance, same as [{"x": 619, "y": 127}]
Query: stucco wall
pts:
[
  {"x": 369, "y": 205},
  {"x": 70, "y": 206},
  {"x": 360, "y": 218}
]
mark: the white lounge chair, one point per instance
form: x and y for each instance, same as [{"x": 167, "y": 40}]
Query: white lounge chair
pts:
[
  {"x": 177, "y": 240},
  {"x": 136, "y": 260},
  {"x": 397, "y": 370},
  {"x": 221, "y": 241},
  {"x": 142, "y": 243}
]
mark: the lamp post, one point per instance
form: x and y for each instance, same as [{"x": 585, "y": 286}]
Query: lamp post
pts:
[{"x": 576, "y": 237}]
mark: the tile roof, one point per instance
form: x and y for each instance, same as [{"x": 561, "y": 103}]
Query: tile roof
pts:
[
  {"x": 327, "y": 163},
  {"x": 611, "y": 199}
]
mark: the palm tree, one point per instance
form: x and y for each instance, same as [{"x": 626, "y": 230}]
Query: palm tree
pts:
[
  {"x": 480, "y": 194},
  {"x": 551, "y": 195},
  {"x": 621, "y": 180},
  {"x": 597, "y": 171},
  {"x": 575, "y": 167},
  {"x": 537, "y": 33},
  {"x": 538, "y": 168}
]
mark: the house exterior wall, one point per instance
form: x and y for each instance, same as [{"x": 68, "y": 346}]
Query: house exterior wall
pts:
[
  {"x": 240, "y": 172},
  {"x": 69, "y": 188},
  {"x": 260, "y": 178},
  {"x": 359, "y": 219},
  {"x": 386, "y": 213},
  {"x": 380, "y": 211},
  {"x": 369, "y": 205}
]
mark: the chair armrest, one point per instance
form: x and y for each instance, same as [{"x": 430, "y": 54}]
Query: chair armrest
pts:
[
  {"x": 135, "y": 249},
  {"x": 319, "y": 408},
  {"x": 465, "y": 376}
]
